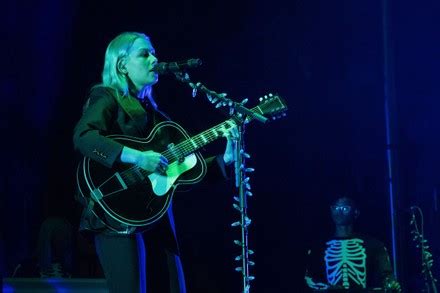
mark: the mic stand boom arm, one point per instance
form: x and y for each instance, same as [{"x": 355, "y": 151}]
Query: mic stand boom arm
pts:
[{"x": 220, "y": 99}]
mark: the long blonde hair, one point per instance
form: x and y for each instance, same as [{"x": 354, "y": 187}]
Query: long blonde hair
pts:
[{"x": 117, "y": 49}]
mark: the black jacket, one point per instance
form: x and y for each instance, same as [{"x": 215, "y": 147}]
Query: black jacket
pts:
[{"x": 103, "y": 115}]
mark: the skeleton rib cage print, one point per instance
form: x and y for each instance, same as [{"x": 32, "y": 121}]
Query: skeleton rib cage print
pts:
[{"x": 346, "y": 261}]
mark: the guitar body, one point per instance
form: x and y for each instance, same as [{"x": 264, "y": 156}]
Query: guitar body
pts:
[
  {"x": 125, "y": 197},
  {"x": 128, "y": 199}
]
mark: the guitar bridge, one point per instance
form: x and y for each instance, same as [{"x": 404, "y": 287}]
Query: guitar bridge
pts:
[
  {"x": 96, "y": 194},
  {"x": 118, "y": 176}
]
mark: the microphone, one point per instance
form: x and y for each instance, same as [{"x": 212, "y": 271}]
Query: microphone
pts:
[{"x": 171, "y": 67}]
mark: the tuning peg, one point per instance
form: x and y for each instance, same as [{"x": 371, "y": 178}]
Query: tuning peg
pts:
[
  {"x": 239, "y": 257},
  {"x": 236, "y": 199},
  {"x": 237, "y": 207},
  {"x": 248, "y": 193},
  {"x": 251, "y": 278},
  {"x": 250, "y": 251},
  {"x": 248, "y": 186},
  {"x": 246, "y": 180},
  {"x": 238, "y": 269},
  {"x": 251, "y": 263},
  {"x": 237, "y": 242},
  {"x": 244, "y": 101},
  {"x": 249, "y": 170}
]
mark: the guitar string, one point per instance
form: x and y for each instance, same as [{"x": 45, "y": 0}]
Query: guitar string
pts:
[
  {"x": 186, "y": 147},
  {"x": 182, "y": 149},
  {"x": 211, "y": 134}
]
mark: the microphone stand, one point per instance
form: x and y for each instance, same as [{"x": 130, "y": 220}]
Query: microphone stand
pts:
[
  {"x": 241, "y": 177},
  {"x": 242, "y": 183},
  {"x": 426, "y": 256}
]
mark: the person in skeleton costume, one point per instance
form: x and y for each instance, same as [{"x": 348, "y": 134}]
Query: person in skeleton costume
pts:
[{"x": 349, "y": 262}]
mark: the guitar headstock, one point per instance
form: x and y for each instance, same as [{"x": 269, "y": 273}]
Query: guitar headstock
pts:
[{"x": 272, "y": 106}]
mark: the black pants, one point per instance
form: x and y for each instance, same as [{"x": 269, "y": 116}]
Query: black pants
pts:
[{"x": 127, "y": 260}]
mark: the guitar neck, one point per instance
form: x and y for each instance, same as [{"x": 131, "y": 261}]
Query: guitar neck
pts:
[{"x": 198, "y": 141}]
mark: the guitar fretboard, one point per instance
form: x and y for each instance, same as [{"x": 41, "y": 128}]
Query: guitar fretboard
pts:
[
  {"x": 273, "y": 105},
  {"x": 198, "y": 141}
]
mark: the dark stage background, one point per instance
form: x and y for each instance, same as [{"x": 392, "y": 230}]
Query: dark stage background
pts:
[{"x": 324, "y": 57}]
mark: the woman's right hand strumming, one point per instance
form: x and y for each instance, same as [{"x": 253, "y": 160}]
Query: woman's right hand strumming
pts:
[{"x": 147, "y": 160}]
